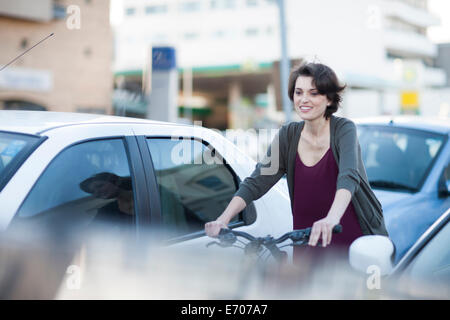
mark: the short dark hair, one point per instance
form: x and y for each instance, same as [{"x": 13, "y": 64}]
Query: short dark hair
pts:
[
  {"x": 86, "y": 186},
  {"x": 325, "y": 80}
]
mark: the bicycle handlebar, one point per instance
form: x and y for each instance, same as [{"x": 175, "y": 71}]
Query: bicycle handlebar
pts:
[{"x": 228, "y": 236}]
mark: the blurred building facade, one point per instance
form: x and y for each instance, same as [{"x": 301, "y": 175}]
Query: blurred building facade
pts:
[
  {"x": 443, "y": 59},
  {"x": 71, "y": 70},
  {"x": 229, "y": 51}
]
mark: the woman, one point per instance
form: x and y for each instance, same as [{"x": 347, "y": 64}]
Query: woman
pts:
[
  {"x": 321, "y": 156},
  {"x": 107, "y": 185}
]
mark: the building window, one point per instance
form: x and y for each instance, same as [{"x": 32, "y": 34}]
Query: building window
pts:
[
  {"x": 222, "y": 4},
  {"x": 23, "y": 105},
  {"x": 87, "y": 52},
  {"x": 251, "y": 32},
  {"x": 191, "y": 6},
  {"x": 252, "y": 3},
  {"x": 130, "y": 11},
  {"x": 24, "y": 43},
  {"x": 214, "y": 4},
  {"x": 269, "y": 30},
  {"x": 399, "y": 25},
  {"x": 160, "y": 37},
  {"x": 229, "y": 4},
  {"x": 157, "y": 9},
  {"x": 421, "y": 4},
  {"x": 219, "y": 34},
  {"x": 191, "y": 36}
]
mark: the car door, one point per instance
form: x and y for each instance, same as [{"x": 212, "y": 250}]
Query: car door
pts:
[
  {"x": 82, "y": 175},
  {"x": 195, "y": 173},
  {"x": 425, "y": 269}
]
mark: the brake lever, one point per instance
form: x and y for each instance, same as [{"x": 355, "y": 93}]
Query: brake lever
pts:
[
  {"x": 220, "y": 244},
  {"x": 226, "y": 239},
  {"x": 299, "y": 243}
]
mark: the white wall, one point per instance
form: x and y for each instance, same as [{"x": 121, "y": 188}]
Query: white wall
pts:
[
  {"x": 435, "y": 102},
  {"x": 361, "y": 103}
]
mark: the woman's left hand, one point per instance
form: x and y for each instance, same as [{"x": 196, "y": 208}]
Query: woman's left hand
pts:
[{"x": 322, "y": 228}]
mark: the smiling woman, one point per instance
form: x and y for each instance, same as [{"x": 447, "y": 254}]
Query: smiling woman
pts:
[
  {"x": 321, "y": 157},
  {"x": 320, "y": 82}
]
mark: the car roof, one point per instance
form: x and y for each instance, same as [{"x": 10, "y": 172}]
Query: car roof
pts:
[
  {"x": 36, "y": 122},
  {"x": 432, "y": 124}
]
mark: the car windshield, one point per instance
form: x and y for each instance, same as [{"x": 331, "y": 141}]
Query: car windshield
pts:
[
  {"x": 398, "y": 158},
  {"x": 12, "y": 147}
]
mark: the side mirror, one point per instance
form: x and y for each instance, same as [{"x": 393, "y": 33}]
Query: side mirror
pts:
[
  {"x": 444, "y": 189},
  {"x": 369, "y": 251},
  {"x": 444, "y": 184}
]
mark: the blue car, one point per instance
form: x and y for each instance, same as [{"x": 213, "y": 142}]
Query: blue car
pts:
[{"x": 407, "y": 163}]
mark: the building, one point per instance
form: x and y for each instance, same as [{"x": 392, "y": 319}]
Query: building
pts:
[
  {"x": 443, "y": 59},
  {"x": 230, "y": 50},
  {"x": 69, "y": 71}
]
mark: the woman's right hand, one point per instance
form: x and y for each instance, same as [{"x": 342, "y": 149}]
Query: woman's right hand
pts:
[{"x": 212, "y": 228}]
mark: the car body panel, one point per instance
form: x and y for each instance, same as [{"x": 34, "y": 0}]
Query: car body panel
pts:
[{"x": 421, "y": 243}]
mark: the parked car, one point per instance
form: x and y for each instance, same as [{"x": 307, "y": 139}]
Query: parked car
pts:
[
  {"x": 423, "y": 270},
  {"x": 71, "y": 170},
  {"x": 407, "y": 162}
]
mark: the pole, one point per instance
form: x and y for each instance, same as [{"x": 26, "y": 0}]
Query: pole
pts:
[
  {"x": 284, "y": 63},
  {"x": 4, "y": 67},
  {"x": 187, "y": 93}
]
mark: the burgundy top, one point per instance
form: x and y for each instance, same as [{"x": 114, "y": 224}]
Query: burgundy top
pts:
[{"x": 314, "y": 191}]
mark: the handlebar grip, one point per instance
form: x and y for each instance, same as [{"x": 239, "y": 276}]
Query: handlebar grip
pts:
[
  {"x": 223, "y": 231},
  {"x": 226, "y": 236},
  {"x": 337, "y": 228}
]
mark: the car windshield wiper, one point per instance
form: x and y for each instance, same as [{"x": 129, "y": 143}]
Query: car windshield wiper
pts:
[{"x": 391, "y": 185}]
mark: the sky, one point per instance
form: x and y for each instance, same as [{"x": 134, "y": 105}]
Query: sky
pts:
[
  {"x": 437, "y": 34},
  {"x": 441, "y": 8},
  {"x": 116, "y": 10}
]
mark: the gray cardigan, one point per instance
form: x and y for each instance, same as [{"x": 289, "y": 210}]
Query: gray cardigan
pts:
[{"x": 352, "y": 174}]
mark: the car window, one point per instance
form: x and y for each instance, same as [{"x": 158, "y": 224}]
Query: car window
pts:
[
  {"x": 396, "y": 158},
  {"x": 86, "y": 183},
  {"x": 433, "y": 261},
  {"x": 11, "y": 146},
  {"x": 195, "y": 186}
]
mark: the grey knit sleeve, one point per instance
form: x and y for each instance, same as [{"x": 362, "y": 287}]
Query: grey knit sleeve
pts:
[
  {"x": 267, "y": 172},
  {"x": 348, "y": 148}
]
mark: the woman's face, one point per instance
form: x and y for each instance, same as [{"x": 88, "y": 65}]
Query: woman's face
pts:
[
  {"x": 308, "y": 102},
  {"x": 104, "y": 189}
]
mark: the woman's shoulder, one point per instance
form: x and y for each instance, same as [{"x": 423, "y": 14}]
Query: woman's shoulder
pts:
[
  {"x": 342, "y": 124},
  {"x": 340, "y": 121},
  {"x": 291, "y": 128}
]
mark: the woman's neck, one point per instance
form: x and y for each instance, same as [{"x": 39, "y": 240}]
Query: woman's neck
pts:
[{"x": 317, "y": 127}]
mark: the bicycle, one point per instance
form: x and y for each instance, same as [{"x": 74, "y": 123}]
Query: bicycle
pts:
[{"x": 256, "y": 245}]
